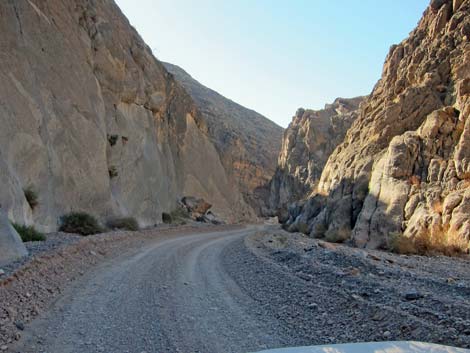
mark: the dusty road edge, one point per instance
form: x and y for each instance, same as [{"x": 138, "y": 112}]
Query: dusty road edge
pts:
[{"x": 35, "y": 286}]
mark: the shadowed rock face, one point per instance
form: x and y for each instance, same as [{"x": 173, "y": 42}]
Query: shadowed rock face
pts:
[
  {"x": 247, "y": 142},
  {"x": 11, "y": 246},
  {"x": 307, "y": 144},
  {"x": 94, "y": 122},
  {"x": 403, "y": 167}
]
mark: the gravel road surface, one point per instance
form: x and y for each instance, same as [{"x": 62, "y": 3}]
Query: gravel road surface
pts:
[
  {"x": 246, "y": 290},
  {"x": 172, "y": 296}
]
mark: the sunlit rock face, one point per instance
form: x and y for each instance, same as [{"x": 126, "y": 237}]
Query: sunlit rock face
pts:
[
  {"x": 93, "y": 122},
  {"x": 403, "y": 168},
  {"x": 247, "y": 142},
  {"x": 308, "y": 142}
]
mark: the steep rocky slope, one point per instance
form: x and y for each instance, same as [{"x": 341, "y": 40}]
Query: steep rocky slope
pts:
[
  {"x": 404, "y": 166},
  {"x": 308, "y": 142},
  {"x": 92, "y": 121},
  {"x": 248, "y": 142}
]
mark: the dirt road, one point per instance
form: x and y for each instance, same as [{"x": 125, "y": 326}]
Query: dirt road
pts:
[
  {"x": 174, "y": 296},
  {"x": 249, "y": 289}
]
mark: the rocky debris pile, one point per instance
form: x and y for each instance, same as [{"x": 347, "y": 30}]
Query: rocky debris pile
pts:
[
  {"x": 331, "y": 293},
  {"x": 199, "y": 210},
  {"x": 307, "y": 143},
  {"x": 403, "y": 171},
  {"x": 11, "y": 245}
]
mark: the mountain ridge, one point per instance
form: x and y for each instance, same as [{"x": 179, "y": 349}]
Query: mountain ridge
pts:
[{"x": 247, "y": 141}]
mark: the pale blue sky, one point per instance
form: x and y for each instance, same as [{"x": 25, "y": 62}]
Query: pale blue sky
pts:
[{"x": 275, "y": 56}]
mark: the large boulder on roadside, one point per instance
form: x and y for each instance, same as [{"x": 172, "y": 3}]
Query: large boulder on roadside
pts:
[
  {"x": 11, "y": 246},
  {"x": 196, "y": 205}
]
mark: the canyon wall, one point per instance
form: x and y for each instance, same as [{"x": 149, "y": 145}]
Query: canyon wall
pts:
[
  {"x": 403, "y": 168},
  {"x": 91, "y": 121},
  {"x": 247, "y": 142},
  {"x": 307, "y": 143}
]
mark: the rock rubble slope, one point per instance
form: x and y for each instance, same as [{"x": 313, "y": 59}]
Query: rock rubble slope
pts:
[
  {"x": 93, "y": 122},
  {"x": 247, "y": 142},
  {"x": 403, "y": 167}
]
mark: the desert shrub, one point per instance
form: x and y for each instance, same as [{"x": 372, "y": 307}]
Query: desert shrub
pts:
[
  {"x": 319, "y": 230},
  {"x": 113, "y": 173},
  {"x": 178, "y": 216},
  {"x": 337, "y": 235},
  {"x": 179, "y": 213},
  {"x": 31, "y": 196},
  {"x": 112, "y": 139},
  {"x": 303, "y": 228},
  {"x": 28, "y": 233},
  {"x": 80, "y": 223},
  {"x": 415, "y": 180},
  {"x": 166, "y": 218},
  {"x": 125, "y": 223},
  {"x": 436, "y": 240}
]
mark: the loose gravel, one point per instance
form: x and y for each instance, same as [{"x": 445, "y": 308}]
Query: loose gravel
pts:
[
  {"x": 325, "y": 293},
  {"x": 231, "y": 291},
  {"x": 30, "y": 286}
]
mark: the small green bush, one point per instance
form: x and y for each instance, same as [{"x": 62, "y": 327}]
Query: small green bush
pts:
[
  {"x": 338, "y": 235},
  {"x": 126, "y": 223},
  {"x": 28, "y": 233},
  {"x": 31, "y": 196},
  {"x": 80, "y": 223},
  {"x": 303, "y": 228},
  {"x": 166, "y": 218},
  {"x": 179, "y": 213},
  {"x": 112, "y": 139},
  {"x": 113, "y": 173},
  {"x": 178, "y": 216}
]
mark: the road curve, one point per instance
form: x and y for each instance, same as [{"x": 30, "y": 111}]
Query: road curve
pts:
[{"x": 172, "y": 296}]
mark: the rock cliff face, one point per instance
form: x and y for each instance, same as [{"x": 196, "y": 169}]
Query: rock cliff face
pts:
[
  {"x": 93, "y": 122},
  {"x": 404, "y": 166},
  {"x": 11, "y": 246},
  {"x": 248, "y": 142},
  {"x": 308, "y": 142}
]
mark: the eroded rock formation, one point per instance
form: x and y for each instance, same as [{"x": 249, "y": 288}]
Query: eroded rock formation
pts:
[
  {"x": 308, "y": 142},
  {"x": 248, "y": 142},
  {"x": 404, "y": 166},
  {"x": 93, "y": 122}
]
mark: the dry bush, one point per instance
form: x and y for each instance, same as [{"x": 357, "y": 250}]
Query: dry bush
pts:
[
  {"x": 124, "y": 223},
  {"x": 437, "y": 206},
  {"x": 415, "y": 180},
  {"x": 338, "y": 235},
  {"x": 303, "y": 228},
  {"x": 439, "y": 240},
  {"x": 80, "y": 223}
]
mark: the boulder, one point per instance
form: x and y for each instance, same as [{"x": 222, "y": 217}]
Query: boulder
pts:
[
  {"x": 196, "y": 205},
  {"x": 11, "y": 246}
]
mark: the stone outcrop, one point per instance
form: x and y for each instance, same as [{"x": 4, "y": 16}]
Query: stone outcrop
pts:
[
  {"x": 308, "y": 142},
  {"x": 248, "y": 142},
  {"x": 11, "y": 246},
  {"x": 93, "y": 122},
  {"x": 403, "y": 168}
]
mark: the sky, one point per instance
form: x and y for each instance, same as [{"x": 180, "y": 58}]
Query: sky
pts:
[{"x": 275, "y": 56}]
